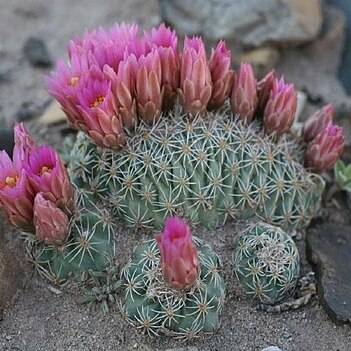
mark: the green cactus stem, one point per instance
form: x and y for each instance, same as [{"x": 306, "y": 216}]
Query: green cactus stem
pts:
[
  {"x": 205, "y": 170},
  {"x": 266, "y": 262},
  {"x": 154, "y": 307}
]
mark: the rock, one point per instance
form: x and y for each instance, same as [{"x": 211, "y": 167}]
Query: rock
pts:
[
  {"x": 344, "y": 72},
  {"x": 252, "y": 23},
  {"x": 189, "y": 348},
  {"x": 36, "y": 52},
  {"x": 329, "y": 248},
  {"x": 52, "y": 114},
  {"x": 11, "y": 275},
  {"x": 262, "y": 59},
  {"x": 27, "y": 111},
  {"x": 272, "y": 348},
  {"x": 313, "y": 68},
  {"x": 6, "y": 140}
]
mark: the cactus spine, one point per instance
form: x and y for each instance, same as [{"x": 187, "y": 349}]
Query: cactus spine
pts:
[
  {"x": 205, "y": 170},
  {"x": 267, "y": 262},
  {"x": 151, "y": 305}
]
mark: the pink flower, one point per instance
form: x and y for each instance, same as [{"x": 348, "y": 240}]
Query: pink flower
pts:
[
  {"x": 222, "y": 75},
  {"x": 325, "y": 149},
  {"x": 279, "y": 113},
  {"x": 51, "y": 224},
  {"x": 16, "y": 194},
  {"x": 195, "y": 77},
  {"x": 97, "y": 108},
  {"x": 317, "y": 123},
  {"x": 244, "y": 96},
  {"x": 179, "y": 260},
  {"x": 47, "y": 174},
  {"x": 264, "y": 88}
]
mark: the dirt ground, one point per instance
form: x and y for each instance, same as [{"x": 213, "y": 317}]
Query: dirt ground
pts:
[{"x": 41, "y": 320}]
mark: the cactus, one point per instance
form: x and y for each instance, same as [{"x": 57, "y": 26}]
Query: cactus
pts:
[
  {"x": 204, "y": 170},
  {"x": 153, "y": 306},
  {"x": 89, "y": 248},
  {"x": 266, "y": 262}
]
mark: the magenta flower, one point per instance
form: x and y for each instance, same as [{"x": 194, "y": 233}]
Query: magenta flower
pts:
[
  {"x": 47, "y": 174},
  {"x": 317, "y": 123},
  {"x": 165, "y": 41},
  {"x": 244, "y": 98},
  {"x": 325, "y": 149},
  {"x": 195, "y": 77},
  {"x": 222, "y": 75},
  {"x": 98, "y": 111},
  {"x": 51, "y": 224},
  {"x": 264, "y": 88},
  {"x": 280, "y": 110},
  {"x": 179, "y": 260},
  {"x": 148, "y": 89},
  {"x": 16, "y": 194}
]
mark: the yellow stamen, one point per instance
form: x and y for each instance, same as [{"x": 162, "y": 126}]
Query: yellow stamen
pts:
[
  {"x": 74, "y": 81},
  {"x": 11, "y": 181},
  {"x": 45, "y": 169},
  {"x": 97, "y": 101}
]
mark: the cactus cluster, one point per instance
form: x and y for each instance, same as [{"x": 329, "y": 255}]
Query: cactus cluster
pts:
[
  {"x": 155, "y": 307},
  {"x": 205, "y": 169},
  {"x": 266, "y": 262}
]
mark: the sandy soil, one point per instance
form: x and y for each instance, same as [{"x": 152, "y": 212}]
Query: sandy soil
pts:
[{"x": 41, "y": 320}]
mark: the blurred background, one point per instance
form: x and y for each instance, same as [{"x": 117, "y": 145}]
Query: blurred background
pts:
[{"x": 308, "y": 41}]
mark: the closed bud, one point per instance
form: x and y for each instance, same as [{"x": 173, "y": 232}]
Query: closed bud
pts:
[
  {"x": 317, "y": 123},
  {"x": 51, "y": 224},
  {"x": 280, "y": 110},
  {"x": 179, "y": 260},
  {"x": 325, "y": 149},
  {"x": 244, "y": 98}
]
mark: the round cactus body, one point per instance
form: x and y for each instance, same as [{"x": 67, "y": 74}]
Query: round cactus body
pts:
[
  {"x": 204, "y": 170},
  {"x": 153, "y": 306},
  {"x": 88, "y": 249},
  {"x": 267, "y": 262}
]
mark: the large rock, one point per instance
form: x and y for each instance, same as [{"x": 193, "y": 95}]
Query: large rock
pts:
[
  {"x": 329, "y": 248},
  {"x": 251, "y": 23}
]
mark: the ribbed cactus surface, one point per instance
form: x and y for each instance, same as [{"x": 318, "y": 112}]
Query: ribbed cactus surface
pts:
[
  {"x": 205, "y": 170},
  {"x": 267, "y": 262},
  {"x": 154, "y": 307},
  {"x": 89, "y": 249}
]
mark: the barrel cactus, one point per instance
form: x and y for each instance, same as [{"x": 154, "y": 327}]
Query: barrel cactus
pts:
[
  {"x": 266, "y": 262},
  {"x": 159, "y": 297}
]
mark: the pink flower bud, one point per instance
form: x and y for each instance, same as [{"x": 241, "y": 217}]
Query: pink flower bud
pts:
[
  {"x": 222, "y": 75},
  {"x": 179, "y": 260},
  {"x": 244, "y": 95},
  {"x": 148, "y": 90},
  {"x": 325, "y": 149},
  {"x": 51, "y": 224},
  {"x": 317, "y": 123},
  {"x": 48, "y": 175},
  {"x": 195, "y": 77},
  {"x": 165, "y": 41},
  {"x": 264, "y": 88},
  {"x": 280, "y": 110}
]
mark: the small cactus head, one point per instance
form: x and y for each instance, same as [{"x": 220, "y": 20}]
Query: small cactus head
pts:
[
  {"x": 279, "y": 113},
  {"x": 325, "y": 149},
  {"x": 179, "y": 259},
  {"x": 317, "y": 123},
  {"x": 51, "y": 224}
]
